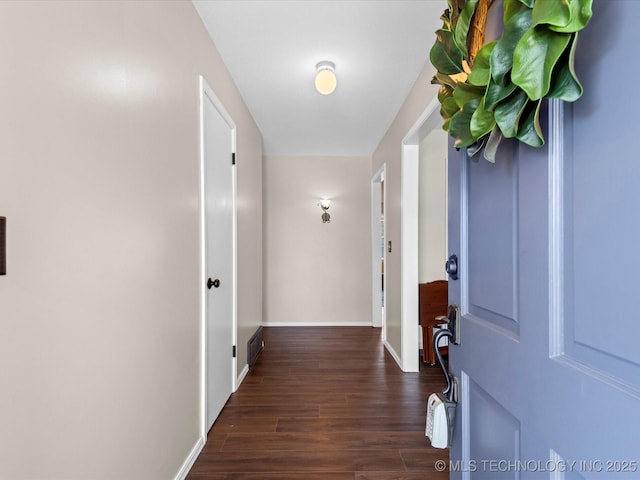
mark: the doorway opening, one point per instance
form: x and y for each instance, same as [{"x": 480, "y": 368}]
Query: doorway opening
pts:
[
  {"x": 423, "y": 148},
  {"x": 378, "y": 241}
]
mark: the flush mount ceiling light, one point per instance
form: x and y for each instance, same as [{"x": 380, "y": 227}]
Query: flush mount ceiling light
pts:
[{"x": 326, "y": 77}]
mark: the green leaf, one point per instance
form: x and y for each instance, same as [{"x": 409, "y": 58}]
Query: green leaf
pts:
[
  {"x": 495, "y": 137},
  {"x": 464, "y": 93},
  {"x": 476, "y": 147},
  {"x": 444, "y": 54},
  {"x": 528, "y": 3},
  {"x": 529, "y": 131},
  {"x": 580, "y": 16},
  {"x": 482, "y": 122},
  {"x": 462, "y": 26},
  {"x": 502, "y": 55},
  {"x": 481, "y": 72},
  {"x": 534, "y": 58},
  {"x": 449, "y": 107},
  {"x": 511, "y": 7},
  {"x": 551, "y": 12},
  {"x": 564, "y": 82},
  {"x": 459, "y": 126},
  {"x": 508, "y": 113},
  {"x": 496, "y": 93}
]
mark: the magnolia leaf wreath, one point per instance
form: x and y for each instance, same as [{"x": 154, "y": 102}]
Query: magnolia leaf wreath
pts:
[{"x": 495, "y": 90}]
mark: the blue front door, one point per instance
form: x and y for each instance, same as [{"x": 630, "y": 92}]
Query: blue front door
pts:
[{"x": 549, "y": 360}]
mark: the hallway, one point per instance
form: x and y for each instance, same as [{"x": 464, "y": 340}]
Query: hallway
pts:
[{"x": 324, "y": 403}]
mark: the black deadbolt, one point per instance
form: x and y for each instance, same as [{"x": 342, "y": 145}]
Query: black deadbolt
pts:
[
  {"x": 213, "y": 283},
  {"x": 452, "y": 266}
]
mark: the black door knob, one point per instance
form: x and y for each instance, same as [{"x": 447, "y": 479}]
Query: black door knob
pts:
[{"x": 212, "y": 283}]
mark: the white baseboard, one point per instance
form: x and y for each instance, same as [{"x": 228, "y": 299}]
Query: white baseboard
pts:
[
  {"x": 190, "y": 460},
  {"x": 316, "y": 324},
  {"x": 243, "y": 374},
  {"x": 393, "y": 353}
]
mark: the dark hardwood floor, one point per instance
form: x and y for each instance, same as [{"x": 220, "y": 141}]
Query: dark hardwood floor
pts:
[{"x": 324, "y": 403}]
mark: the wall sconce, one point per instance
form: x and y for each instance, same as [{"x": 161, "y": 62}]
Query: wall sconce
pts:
[
  {"x": 324, "y": 205},
  {"x": 326, "y": 78}
]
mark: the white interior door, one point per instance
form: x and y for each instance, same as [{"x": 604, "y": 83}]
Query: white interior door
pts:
[{"x": 219, "y": 254}]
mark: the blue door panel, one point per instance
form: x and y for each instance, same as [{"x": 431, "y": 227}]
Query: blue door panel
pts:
[
  {"x": 601, "y": 230},
  {"x": 601, "y": 183},
  {"x": 502, "y": 438},
  {"x": 492, "y": 221}
]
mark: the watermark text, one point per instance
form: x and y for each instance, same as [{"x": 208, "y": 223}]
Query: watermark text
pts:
[{"x": 582, "y": 466}]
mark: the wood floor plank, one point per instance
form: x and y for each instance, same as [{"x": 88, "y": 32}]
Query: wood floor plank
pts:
[
  {"x": 301, "y": 461},
  {"x": 370, "y": 380},
  {"x": 310, "y": 390},
  {"x": 243, "y": 412},
  {"x": 423, "y": 460},
  {"x": 258, "y": 424},
  {"x": 406, "y": 409},
  {"x": 297, "y": 398},
  {"x": 351, "y": 424},
  {"x": 418, "y": 397},
  {"x": 324, "y": 403},
  {"x": 264, "y": 369},
  {"x": 325, "y": 441},
  {"x": 252, "y": 379},
  {"x": 274, "y": 476},
  {"x": 346, "y": 369},
  {"x": 401, "y": 476},
  {"x": 215, "y": 441}
]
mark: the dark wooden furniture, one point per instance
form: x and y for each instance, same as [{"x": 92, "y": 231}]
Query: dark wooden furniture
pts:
[{"x": 434, "y": 300}]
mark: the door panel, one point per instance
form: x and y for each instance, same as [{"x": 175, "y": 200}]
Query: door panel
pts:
[
  {"x": 549, "y": 364},
  {"x": 600, "y": 183},
  {"x": 601, "y": 178},
  {"x": 487, "y": 414},
  {"x": 492, "y": 221}
]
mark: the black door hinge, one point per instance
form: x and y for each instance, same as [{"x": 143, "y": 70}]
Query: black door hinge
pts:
[
  {"x": 233, "y": 158},
  {"x": 234, "y": 352}
]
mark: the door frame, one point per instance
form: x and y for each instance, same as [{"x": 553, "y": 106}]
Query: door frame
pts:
[
  {"x": 378, "y": 198},
  {"x": 409, "y": 219},
  {"x": 206, "y": 90}
]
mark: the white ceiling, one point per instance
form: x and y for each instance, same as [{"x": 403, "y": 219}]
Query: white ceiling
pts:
[{"x": 272, "y": 47}]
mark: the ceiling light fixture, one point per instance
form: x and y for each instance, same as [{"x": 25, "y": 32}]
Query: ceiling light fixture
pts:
[{"x": 326, "y": 77}]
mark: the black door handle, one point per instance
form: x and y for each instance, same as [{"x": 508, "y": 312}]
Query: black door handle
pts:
[{"x": 212, "y": 283}]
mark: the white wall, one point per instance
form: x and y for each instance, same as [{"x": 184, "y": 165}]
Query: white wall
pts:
[
  {"x": 99, "y": 309},
  {"x": 315, "y": 272},
  {"x": 389, "y": 151},
  {"x": 432, "y": 209}
]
